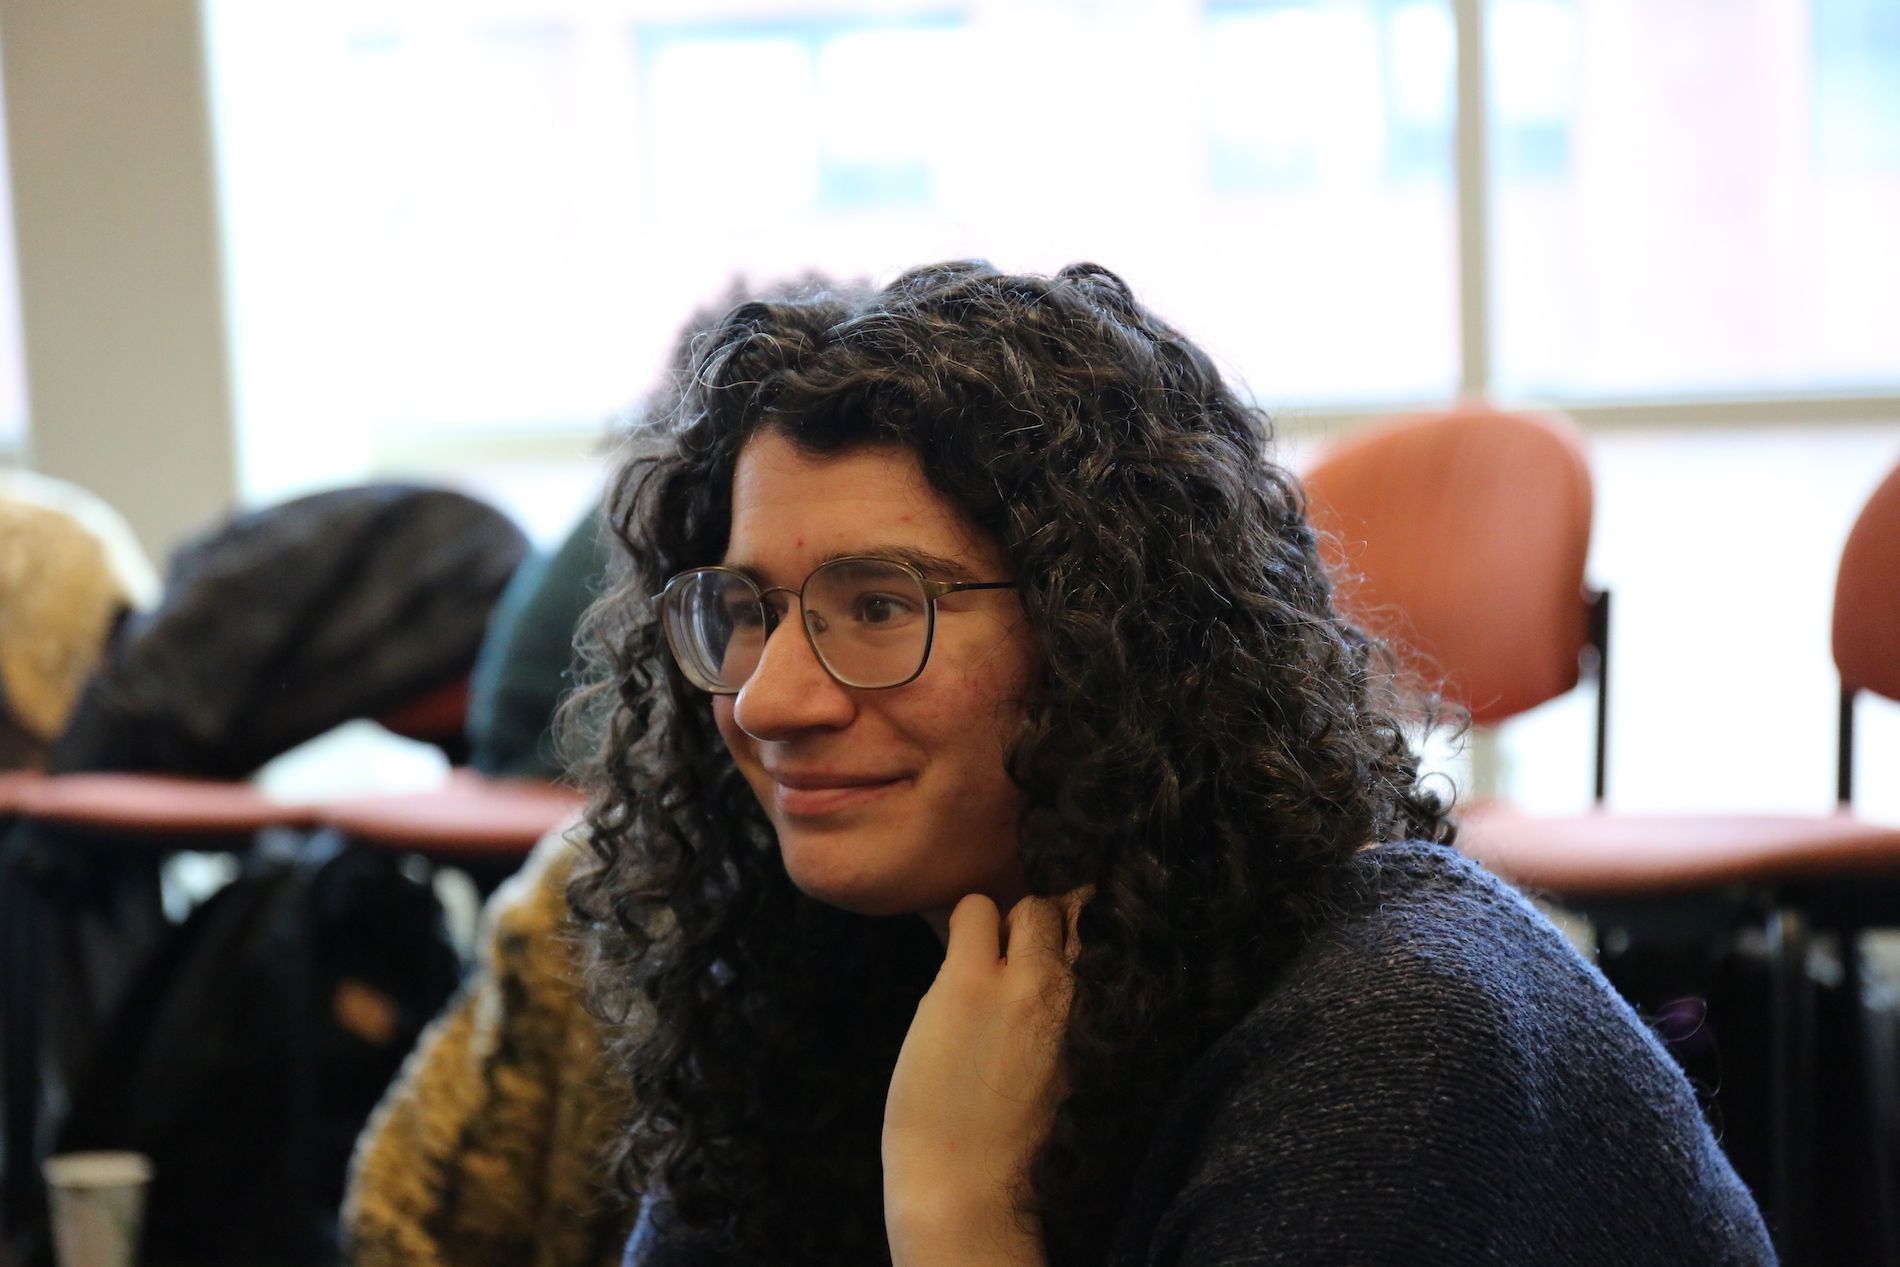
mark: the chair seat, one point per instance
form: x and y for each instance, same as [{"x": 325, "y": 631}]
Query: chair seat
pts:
[
  {"x": 469, "y": 816},
  {"x": 1602, "y": 854},
  {"x": 148, "y": 804}
]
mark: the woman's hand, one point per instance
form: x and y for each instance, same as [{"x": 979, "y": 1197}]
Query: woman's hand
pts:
[{"x": 977, "y": 1084}]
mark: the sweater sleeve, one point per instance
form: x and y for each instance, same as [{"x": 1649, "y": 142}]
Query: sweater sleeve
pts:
[
  {"x": 1454, "y": 1089},
  {"x": 487, "y": 1148}
]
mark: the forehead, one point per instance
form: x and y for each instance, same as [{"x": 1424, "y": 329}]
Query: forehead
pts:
[{"x": 792, "y": 508}]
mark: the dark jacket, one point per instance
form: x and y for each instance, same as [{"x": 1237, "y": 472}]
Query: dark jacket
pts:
[{"x": 282, "y": 623}]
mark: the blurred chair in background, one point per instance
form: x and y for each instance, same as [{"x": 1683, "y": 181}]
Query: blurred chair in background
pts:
[
  {"x": 1825, "y": 1139},
  {"x": 1866, "y": 636},
  {"x": 1463, "y": 535}
]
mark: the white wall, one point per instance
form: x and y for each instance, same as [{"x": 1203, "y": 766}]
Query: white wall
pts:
[{"x": 120, "y": 283}]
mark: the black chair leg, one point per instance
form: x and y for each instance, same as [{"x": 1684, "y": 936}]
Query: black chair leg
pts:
[
  {"x": 1876, "y": 1112},
  {"x": 21, "y": 983},
  {"x": 1792, "y": 1071}
]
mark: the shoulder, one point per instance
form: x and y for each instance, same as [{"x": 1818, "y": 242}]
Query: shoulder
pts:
[
  {"x": 1435, "y": 984},
  {"x": 1440, "y": 1070},
  {"x": 1426, "y": 956}
]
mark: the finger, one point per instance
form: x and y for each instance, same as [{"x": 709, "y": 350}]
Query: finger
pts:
[
  {"x": 1034, "y": 928},
  {"x": 1037, "y": 963},
  {"x": 1072, "y": 903},
  {"x": 975, "y": 932}
]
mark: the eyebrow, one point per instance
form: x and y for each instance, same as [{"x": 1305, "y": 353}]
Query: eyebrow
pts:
[{"x": 934, "y": 566}]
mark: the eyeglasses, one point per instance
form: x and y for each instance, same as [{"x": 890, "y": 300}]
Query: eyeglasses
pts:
[{"x": 870, "y": 621}]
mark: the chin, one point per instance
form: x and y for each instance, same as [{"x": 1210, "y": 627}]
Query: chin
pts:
[
  {"x": 861, "y": 895},
  {"x": 831, "y": 871},
  {"x": 857, "y": 902}
]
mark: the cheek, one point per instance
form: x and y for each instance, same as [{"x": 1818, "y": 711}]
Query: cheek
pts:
[
  {"x": 980, "y": 717},
  {"x": 1004, "y": 664},
  {"x": 1004, "y": 689}
]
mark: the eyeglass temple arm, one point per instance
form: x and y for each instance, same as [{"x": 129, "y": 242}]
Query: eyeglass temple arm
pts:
[{"x": 937, "y": 589}]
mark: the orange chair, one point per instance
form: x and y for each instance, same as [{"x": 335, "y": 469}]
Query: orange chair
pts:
[
  {"x": 1651, "y": 853},
  {"x": 1462, "y": 535},
  {"x": 1867, "y": 614}
]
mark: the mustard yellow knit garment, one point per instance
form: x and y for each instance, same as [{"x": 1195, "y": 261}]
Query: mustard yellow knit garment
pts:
[
  {"x": 487, "y": 1150},
  {"x": 58, "y": 599}
]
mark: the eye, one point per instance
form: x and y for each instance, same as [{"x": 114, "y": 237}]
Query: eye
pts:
[{"x": 874, "y": 608}]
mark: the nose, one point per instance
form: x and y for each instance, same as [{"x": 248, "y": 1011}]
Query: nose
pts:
[{"x": 789, "y": 691}]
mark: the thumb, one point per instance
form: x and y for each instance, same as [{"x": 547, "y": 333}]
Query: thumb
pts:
[{"x": 976, "y": 929}]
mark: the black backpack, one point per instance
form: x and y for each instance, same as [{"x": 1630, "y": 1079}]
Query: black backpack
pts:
[{"x": 251, "y": 1050}]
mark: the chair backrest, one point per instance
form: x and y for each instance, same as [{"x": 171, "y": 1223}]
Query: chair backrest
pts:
[
  {"x": 1867, "y": 596},
  {"x": 1461, "y": 536}
]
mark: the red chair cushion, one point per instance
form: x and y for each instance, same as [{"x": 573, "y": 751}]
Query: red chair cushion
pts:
[{"x": 1606, "y": 855}]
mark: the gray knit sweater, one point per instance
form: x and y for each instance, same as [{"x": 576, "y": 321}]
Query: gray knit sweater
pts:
[{"x": 1437, "y": 1079}]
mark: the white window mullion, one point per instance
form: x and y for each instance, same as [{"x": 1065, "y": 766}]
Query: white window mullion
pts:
[{"x": 1473, "y": 176}]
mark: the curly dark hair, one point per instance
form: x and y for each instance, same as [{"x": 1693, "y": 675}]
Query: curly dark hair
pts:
[{"x": 1208, "y": 742}]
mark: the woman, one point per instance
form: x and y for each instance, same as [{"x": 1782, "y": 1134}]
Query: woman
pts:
[{"x": 1069, "y": 683}]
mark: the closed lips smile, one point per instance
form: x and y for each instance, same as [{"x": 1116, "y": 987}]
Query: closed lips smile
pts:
[{"x": 806, "y": 795}]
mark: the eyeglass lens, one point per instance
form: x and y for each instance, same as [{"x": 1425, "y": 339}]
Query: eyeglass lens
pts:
[{"x": 869, "y": 621}]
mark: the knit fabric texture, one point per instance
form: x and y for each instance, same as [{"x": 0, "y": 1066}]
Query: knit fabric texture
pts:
[
  {"x": 1438, "y": 1078},
  {"x": 58, "y": 600},
  {"x": 488, "y": 1150}
]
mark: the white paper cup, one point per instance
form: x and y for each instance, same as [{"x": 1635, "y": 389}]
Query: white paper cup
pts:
[{"x": 98, "y": 1203}]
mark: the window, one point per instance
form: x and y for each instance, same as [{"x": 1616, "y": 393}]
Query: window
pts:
[
  {"x": 478, "y": 226},
  {"x": 1329, "y": 214},
  {"x": 493, "y": 219},
  {"x": 1695, "y": 198}
]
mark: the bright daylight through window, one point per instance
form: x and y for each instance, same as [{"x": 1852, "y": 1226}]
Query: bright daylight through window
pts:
[
  {"x": 494, "y": 217},
  {"x": 1695, "y": 198}
]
